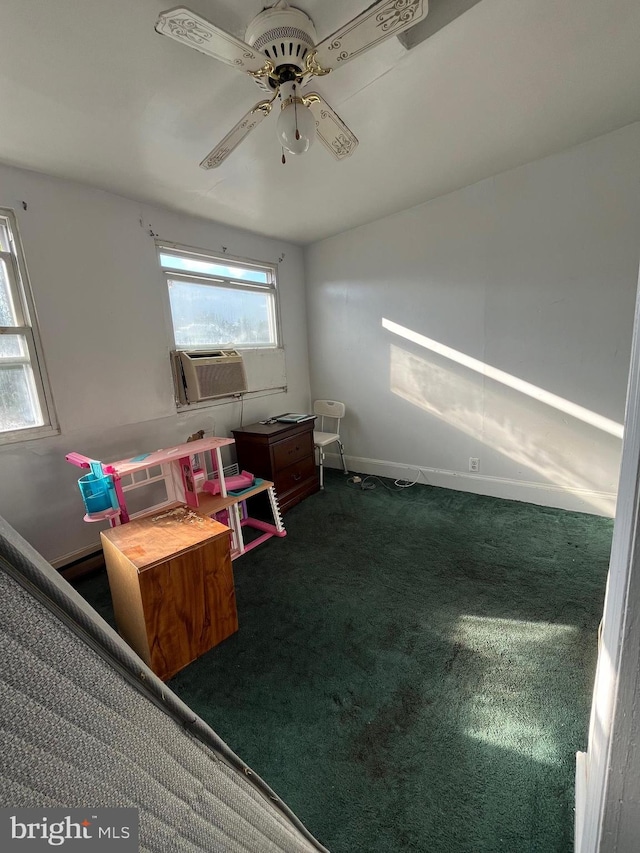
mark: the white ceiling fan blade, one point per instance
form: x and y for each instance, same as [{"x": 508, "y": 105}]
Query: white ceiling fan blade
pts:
[
  {"x": 380, "y": 21},
  {"x": 330, "y": 129},
  {"x": 236, "y": 135},
  {"x": 185, "y": 26}
]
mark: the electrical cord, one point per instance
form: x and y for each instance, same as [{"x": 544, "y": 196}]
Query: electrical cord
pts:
[{"x": 367, "y": 484}]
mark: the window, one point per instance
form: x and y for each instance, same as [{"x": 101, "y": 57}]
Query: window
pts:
[
  {"x": 219, "y": 301},
  {"x": 26, "y": 410}
]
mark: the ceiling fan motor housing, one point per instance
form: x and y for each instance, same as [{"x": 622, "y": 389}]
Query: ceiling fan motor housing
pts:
[{"x": 285, "y": 35}]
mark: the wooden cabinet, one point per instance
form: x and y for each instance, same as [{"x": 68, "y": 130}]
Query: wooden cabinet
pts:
[
  {"x": 282, "y": 453},
  {"x": 172, "y": 586}
]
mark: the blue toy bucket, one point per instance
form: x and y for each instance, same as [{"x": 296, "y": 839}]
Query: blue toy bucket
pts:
[{"x": 96, "y": 493}]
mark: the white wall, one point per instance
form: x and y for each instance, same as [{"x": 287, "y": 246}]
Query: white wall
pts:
[
  {"x": 532, "y": 273},
  {"x": 101, "y": 305}
]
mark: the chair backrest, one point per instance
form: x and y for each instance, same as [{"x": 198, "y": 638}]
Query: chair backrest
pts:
[{"x": 329, "y": 409}]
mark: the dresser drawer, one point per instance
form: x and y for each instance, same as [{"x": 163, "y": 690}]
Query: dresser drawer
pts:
[
  {"x": 295, "y": 475},
  {"x": 282, "y": 453},
  {"x": 291, "y": 450}
]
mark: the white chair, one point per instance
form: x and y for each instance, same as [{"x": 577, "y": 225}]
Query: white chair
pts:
[{"x": 333, "y": 412}]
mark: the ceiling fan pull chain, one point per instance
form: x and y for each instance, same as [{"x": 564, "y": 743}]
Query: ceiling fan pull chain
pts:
[{"x": 295, "y": 110}]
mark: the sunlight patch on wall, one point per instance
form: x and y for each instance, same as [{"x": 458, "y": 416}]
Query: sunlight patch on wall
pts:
[
  {"x": 546, "y": 397},
  {"x": 511, "y": 706},
  {"x": 509, "y": 425}
]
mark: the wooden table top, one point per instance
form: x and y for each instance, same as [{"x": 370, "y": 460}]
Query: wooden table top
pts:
[{"x": 154, "y": 538}]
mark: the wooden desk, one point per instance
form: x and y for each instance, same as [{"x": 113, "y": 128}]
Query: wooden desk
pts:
[
  {"x": 283, "y": 453},
  {"x": 172, "y": 586}
]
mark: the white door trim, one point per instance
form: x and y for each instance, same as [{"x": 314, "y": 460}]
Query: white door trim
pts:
[{"x": 614, "y": 692}]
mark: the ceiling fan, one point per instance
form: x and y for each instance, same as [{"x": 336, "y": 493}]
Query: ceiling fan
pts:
[{"x": 280, "y": 53}]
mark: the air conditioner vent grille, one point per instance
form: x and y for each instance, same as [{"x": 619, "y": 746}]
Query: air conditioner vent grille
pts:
[
  {"x": 218, "y": 380},
  {"x": 207, "y": 375}
]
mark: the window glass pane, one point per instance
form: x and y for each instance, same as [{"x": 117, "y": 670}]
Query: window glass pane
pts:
[
  {"x": 13, "y": 346},
  {"x": 5, "y": 246},
  {"x": 205, "y": 316},
  {"x": 23, "y": 385},
  {"x": 7, "y": 311},
  {"x": 19, "y": 408},
  {"x": 175, "y": 262}
]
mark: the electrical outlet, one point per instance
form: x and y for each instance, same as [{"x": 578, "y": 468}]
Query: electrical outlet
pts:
[{"x": 474, "y": 463}]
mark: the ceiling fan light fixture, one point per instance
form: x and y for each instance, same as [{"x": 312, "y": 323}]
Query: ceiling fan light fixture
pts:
[{"x": 296, "y": 127}]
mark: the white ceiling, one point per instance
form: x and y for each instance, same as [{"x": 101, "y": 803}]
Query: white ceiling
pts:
[{"x": 89, "y": 91}]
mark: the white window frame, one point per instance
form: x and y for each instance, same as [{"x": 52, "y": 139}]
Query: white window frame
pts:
[
  {"x": 222, "y": 282},
  {"x": 26, "y": 327}
]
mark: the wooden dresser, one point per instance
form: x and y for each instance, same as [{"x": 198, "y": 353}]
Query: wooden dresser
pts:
[
  {"x": 282, "y": 453},
  {"x": 172, "y": 586}
]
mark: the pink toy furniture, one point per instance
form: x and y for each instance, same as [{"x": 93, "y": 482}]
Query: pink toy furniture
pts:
[
  {"x": 172, "y": 469},
  {"x": 234, "y": 483}
]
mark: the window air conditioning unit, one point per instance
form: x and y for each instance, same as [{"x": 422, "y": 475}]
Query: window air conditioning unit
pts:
[{"x": 206, "y": 375}]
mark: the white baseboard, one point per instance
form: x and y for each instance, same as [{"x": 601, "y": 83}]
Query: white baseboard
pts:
[
  {"x": 66, "y": 559},
  {"x": 543, "y": 494},
  {"x": 580, "y": 799}
]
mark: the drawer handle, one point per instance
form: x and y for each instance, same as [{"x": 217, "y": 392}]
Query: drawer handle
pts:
[
  {"x": 297, "y": 477},
  {"x": 294, "y": 449}
]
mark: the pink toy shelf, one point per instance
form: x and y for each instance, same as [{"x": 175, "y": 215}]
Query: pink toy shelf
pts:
[{"x": 104, "y": 490}]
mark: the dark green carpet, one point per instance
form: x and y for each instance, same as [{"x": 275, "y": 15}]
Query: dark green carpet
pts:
[{"x": 413, "y": 669}]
